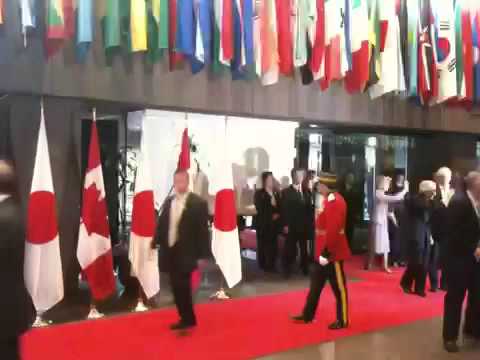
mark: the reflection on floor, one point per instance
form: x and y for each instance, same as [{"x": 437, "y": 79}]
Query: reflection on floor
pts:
[{"x": 416, "y": 341}]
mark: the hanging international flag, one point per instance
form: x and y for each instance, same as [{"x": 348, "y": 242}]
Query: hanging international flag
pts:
[
  {"x": 374, "y": 34},
  {"x": 175, "y": 58},
  {"x": 284, "y": 30},
  {"x": 467, "y": 49},
  {"x": 203, "y": 35},
  {"x": 138, "y": 25},
  {"x": 223, "y": 33},
  {"x": 1, "y": 12},
  {"x": 143, "y": 258},
  {"x": 225, "y": 240},
  {"x": 157, "y": 32},
  {"x": 84, "y": 28},
  {"x": 43, "y": 264},
  {"x": 357, "y": 76},
  {"x": 412, "y": 39},
  {"x": 249, "y": 51},
  {"x": 27, "y": 13},
  {"x": 444, "y": 17},
  {"x": 94, "y": 251},
  {"x": 55, "y": 32},
  {"x": 317, "y": 61},
  {"x": 390, "y": 61},
  {"x": 304, "y": 25},
  {"x": 476, "y": 53},
  {"x": 336, "y": 62},
  {"x": 239, "y": 57},
  {"x": 427, "y": 56},
  {"x": 112, "y": 38},
  {"x": 269, "y": 38},
  {"x": 185, "y": 40}
]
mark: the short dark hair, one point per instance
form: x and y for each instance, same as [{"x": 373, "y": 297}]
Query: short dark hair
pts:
[
  {"x": 295, "y": 170},
  {"x": 8, "y": 180},
  {"x": 265, "y": 176}
]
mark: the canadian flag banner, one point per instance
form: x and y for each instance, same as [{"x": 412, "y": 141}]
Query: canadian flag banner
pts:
[
  {"x": 94, "y": 250},
  {"x": 143, "y": 258},
  {"x": 225, "y": 239},
  {"x": 43, "y": 265}
]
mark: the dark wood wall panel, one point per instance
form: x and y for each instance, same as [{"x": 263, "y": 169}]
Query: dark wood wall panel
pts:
[{"x": 131, "y": 79}]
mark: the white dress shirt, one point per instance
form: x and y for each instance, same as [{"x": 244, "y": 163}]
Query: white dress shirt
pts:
[{"x": 176, "y": 211}]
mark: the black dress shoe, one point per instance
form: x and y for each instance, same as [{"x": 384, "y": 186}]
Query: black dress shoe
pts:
[
  {"x": 406, "y": 290},
  {"x": 182, "y": 326},
  {"x": 451, "y": 346},
  {"x": 300, "y": 319},
  {"x": 337, "y": 325},
  {"x": 421, "y": 294},
  {"x": 433, "y": 290}
]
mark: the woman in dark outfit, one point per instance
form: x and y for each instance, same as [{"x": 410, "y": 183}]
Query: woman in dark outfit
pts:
[
  {"x": 16, "y": 309},
  {"x": 268, "y": 226}
]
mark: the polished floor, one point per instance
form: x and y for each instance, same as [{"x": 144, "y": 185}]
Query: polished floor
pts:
[{"x": 417, "y": 341}]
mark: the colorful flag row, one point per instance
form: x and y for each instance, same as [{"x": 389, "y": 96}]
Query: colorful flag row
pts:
[{"x": 421, "y": 48}]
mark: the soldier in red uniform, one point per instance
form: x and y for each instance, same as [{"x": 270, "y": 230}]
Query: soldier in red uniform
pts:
[{"x": 331, "y": 249}]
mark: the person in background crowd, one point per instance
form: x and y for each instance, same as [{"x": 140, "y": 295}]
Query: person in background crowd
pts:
[
  {"x": 463, "y": 263},
  {"x": 295, "y": 216},
  {"x": 443, "y": 178},
  {"x": 268, "y": 226},
  {"x": 353, "y": 198},
  {"x": 183, "y": 238},
  {"x": 381, "y": 242},
  {"x": 395, "y": 216},
  {"x": 331, "y": 250},
  {"x": 308, "y": 188},
  {"x": 419, "y": 236},
  {"x": 16, "y": 307}
]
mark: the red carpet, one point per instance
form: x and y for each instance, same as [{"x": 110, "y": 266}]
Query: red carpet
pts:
[{"x": 237, "y": 329}]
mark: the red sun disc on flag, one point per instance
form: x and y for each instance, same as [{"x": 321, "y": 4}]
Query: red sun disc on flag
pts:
[
  {"x": 225, "y": 218},
  {"x": 42, "y": 218},
  {"x": 143, "y": 218},
  {"x": 443, "y": 49}
]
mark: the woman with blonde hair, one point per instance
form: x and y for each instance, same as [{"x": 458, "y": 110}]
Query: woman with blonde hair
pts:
[{"x": 381, "y": 242}]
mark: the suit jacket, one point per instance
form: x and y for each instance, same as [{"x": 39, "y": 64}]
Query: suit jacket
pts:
[
  {"x": 16, "y": 308},
  {"x": 296, "y": 210},
  {"x": 265, "y": 210},
  {"x": 331, "y": 241},
  {"x": 463, "y": 226},
  {"x": 417, "y": 227},
  {"x": 192, "y": 237}
]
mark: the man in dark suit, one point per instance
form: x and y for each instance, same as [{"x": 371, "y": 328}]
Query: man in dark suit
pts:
[
  {"x": 418, "y": 210},
  {"x": 183, "y": 238},
  {"x": 463, "y": 263},
  {"x": 296, "y": 205},
  {"x": 16, "y": 308}
]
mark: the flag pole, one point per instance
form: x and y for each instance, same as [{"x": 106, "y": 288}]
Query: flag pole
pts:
[
  {"x": 94, "y": 313},
  {"x": 25, "y": 39},
  {"x": 221, "y": 293},
  {"x": 39, "y": 320}
]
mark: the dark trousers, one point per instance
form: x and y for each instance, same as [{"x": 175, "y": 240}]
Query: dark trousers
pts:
[
  {"x": 333, "y": 272},
  {"x": 294, "y": 239},
  {"x": 267, "y": 249},
  {"x": 182, "y": 295},
  {"x": 433, "y": 266},
  {"x": 10, "y": 348},
  {"x": 463, "y": 275},
  {"x": 394, "y": 238},
  {"x": 415, "y": 276}
]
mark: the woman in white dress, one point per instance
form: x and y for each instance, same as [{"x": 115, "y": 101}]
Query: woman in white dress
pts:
[{"x": 381, "y": 241}]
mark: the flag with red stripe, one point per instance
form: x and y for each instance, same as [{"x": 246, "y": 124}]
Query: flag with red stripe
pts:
[
  {"x": 94, "y": 251},
  {"x": 43, "y": 264}
]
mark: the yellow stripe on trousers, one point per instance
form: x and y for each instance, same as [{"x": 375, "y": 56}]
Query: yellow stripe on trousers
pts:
[{"x": 343, "y": 292}]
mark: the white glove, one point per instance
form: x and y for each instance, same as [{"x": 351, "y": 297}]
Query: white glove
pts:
[{"x": 322, "y": 261}]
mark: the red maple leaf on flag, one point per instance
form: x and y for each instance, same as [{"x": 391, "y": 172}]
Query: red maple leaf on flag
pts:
[{"x": 94, "y": 212}]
